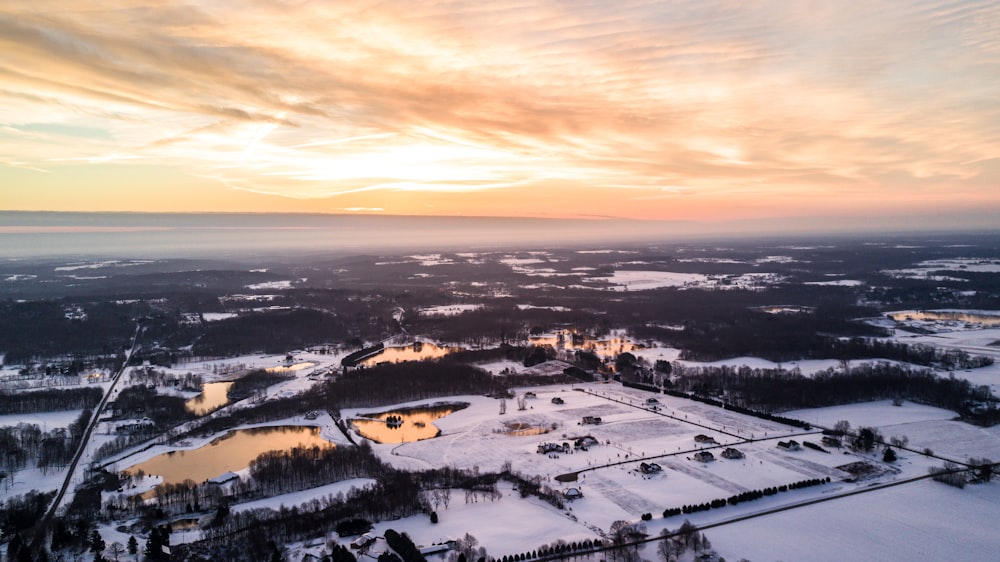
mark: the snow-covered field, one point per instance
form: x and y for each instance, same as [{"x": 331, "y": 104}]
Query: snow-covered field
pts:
[{"x": 922, "y": 520}]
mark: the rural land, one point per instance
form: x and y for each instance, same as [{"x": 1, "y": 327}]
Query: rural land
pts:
[{"x": 796, "y": 398}]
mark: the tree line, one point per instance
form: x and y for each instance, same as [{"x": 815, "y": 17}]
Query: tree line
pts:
[
  {"x": 778, "y": 389},
  {"x": 49, "y": 400}
]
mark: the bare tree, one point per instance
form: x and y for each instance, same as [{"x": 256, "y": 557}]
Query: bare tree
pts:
[{"x": 117, "y": 549}]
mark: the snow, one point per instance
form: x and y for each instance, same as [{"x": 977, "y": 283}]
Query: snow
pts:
[
  {"x": 47, "y": 421},
  {"x": 216, "y": 316},
  {"x": 880, "y": 414},
  {"x": 532, "y": 307},
  {"x": 298, "y": 498},
  {"x": 921, "y": 521},
  {"x": 631, "y": 280},
  {"x": 837, "y": 283},
  {"x": 448, "y": 309},
  {"x": 510, "y": 525},
  {"x": 270, "y": 285}
]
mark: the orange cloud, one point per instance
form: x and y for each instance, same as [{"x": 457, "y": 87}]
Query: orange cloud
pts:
[{"x": 653, "y": 110}]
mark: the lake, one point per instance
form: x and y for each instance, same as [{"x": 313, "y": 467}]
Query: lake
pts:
[
  {"x": 404, "y": 425},
  {"x": 417, "y": 351},
  {"x": 230, "y": 452},
  {"x": 985, "y": 318}
]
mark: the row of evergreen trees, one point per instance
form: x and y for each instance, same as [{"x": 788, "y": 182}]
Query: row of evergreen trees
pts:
[{"x": 743, "y": 497}]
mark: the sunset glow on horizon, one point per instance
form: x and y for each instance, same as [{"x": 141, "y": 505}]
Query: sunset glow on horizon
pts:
[{"x": 701, "y": 111}]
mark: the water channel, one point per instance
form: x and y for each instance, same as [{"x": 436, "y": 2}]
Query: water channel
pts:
[{"x": 214, "y": 395}]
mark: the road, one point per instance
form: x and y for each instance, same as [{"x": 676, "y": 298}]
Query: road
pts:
[
  {"x": 572, "y": 476},
  {"x": 85, "y": 440}
]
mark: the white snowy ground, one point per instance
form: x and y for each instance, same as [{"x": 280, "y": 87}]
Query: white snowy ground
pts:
[
  {"x": 474, "y": 437},
  {"x": 920, "y": 521}
]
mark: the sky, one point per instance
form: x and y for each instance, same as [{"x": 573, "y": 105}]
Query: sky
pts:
[{"x": 661, "y": 110}]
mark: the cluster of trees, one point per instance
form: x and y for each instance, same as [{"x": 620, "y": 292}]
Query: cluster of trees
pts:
[
  {"x": 743, "y": 497},
  {"x": 20, "y": 513},
  {"x": 778, "y": 337},
  {"x": 281, "y": 472},
  {"x": 560, "y": 548},
  {"x": 140, "y": 401},
  {"x": 950, "y": 474},
  {"x": 271, "y": 332},
  {"x": 776, "y": 389},
  {"x": 672, "y": 545},
  {"x": 26, "y": 444},
  {"x": 49, "y": 400},
  {"x": 253, "y": 382},
  {"x": 412, "y": 380},
  {"x": 403, "y": 546},
  {"x": 149, "y": 375},
  {"x": 44, "y": 331}
]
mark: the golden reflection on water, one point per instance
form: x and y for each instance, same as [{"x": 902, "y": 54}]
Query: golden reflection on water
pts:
[
  {"x": 932, "y": 315},
  {"x": 214, "y": 395},
  {"x": 417, "y": 424},
  {"x": 231, "y": 452},
  {"x": 291, "y": 368},
  {"x": 414, "y": 352},
  {"x": 603, "y": 348}
]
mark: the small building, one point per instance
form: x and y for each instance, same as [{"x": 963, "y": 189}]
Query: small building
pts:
[
  {"x": 585, "y": 442},
  {"x": 732, "y": 454},
  {"x": 704, "y": 456},
  {"x": 591, "y": 420},
  {"x": 363, "y": 541},
  {"x": 650, "y": 468},
  {"x": 572, "y": 493},
  {"x": 546, "y": 448},
  {"x": 223, "y": 478},
  {"x": 558, "y": 401},
  {"x": 705, "y": 439},
  {"x": 790, "y": 445},
  {"x": 831, "y": 441},
  {"x": 437, "y": 548}
]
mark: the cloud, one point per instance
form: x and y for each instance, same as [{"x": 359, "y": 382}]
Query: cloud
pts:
[{"x": 314, "y": 100}]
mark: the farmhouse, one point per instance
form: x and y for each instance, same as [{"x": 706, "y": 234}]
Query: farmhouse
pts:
[
  {"x": 650, "y": 468},
  {"x": 731, "y": 453},
  {"x": 546, "y": 448},
  {"x": 363, "y": 541},
  {"x": 704, "y": 456},
  {"x": 790, "y": 445},
  {"x": 223, "y": 478},
  {"x": 831, "y": 441}
]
